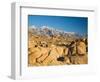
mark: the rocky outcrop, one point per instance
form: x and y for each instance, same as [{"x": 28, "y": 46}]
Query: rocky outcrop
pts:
[
  {"x": 81, "y": 48},
  {"x": 79, "y": 59},
  {"x": 77, "y": 53},
  {"x": 56, "y": 50}
]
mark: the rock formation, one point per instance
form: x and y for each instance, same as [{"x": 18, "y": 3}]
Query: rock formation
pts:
[{"x": 47, "y": 47}]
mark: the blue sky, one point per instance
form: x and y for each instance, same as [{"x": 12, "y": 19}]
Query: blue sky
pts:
[{"x": 65, "y": 23}]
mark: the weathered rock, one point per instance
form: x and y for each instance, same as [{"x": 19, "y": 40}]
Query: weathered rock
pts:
[
  {"x": 34, "y": 54},
  {"x": 64, "y": 60},
  {"x": 72, "y": 48},
  {"x": 55, "y": 50},
  {"x": 43, "y": 44},
  {"x": 81, "y": 48},
  {"x": 67, "y": 60},
  {"x": 44, "y": 53},
  {"x": 53, "y": 54},
  {"x": 55, "y": 62},
  {"x": 79, "y": 59}
]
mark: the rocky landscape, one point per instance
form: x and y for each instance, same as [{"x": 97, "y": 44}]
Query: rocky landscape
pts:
[{"x": 48, "y": 47}]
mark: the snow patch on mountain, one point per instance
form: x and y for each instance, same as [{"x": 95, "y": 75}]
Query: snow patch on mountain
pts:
[{"x": 50, "y": 31}]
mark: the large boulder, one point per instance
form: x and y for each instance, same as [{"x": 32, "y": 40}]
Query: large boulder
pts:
[
  {"x": 81, "y": 48},
  {"x": 54, "y": 53},
  {"x": 37, "y": 55},
  {"x": 34, "y": 54},
  {"x": 44, "y": 54},
  {"x": 79, "y": 59}
]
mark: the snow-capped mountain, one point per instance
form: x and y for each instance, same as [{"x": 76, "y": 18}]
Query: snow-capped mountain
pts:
[{"x": 49, "y": 31}]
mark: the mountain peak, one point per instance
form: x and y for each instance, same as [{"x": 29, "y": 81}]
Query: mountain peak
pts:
[{"x": 49, "y": 31}]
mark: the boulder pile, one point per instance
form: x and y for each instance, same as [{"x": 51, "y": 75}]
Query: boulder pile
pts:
[{"x": 42, "y": 52}]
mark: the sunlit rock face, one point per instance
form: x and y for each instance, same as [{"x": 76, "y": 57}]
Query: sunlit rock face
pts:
[{"x": 48, "y": 47}]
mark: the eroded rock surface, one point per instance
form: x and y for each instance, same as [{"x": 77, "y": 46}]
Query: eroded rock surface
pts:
[{"x": 56, "y": 50}]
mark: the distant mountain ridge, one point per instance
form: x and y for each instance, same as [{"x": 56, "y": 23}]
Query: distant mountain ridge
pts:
[{"x": 49, "y": 31}]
